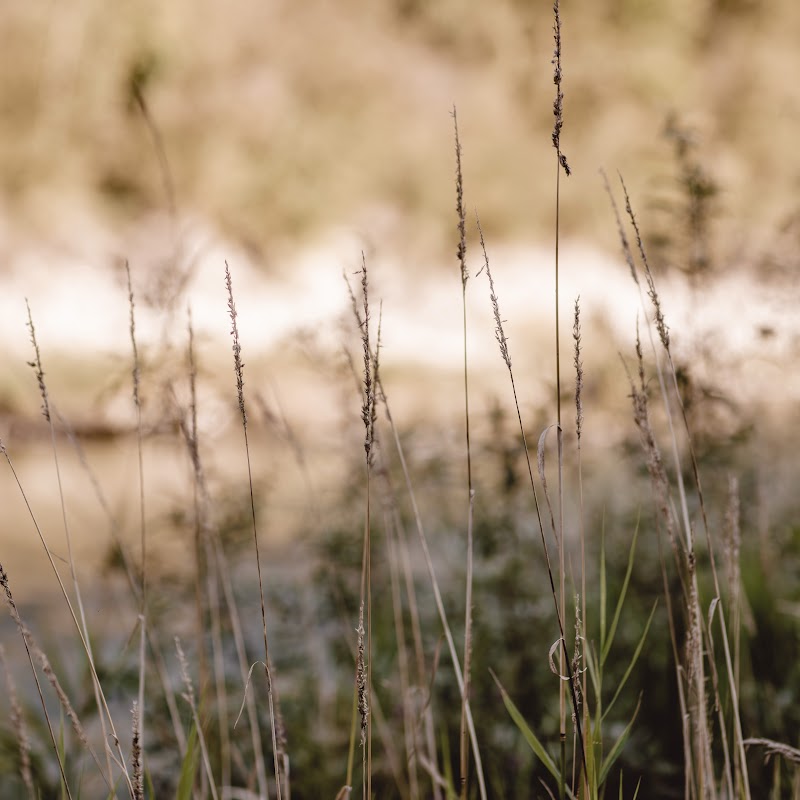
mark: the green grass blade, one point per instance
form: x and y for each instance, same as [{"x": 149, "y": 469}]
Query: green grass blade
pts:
[
  {"x": 594, "y": 671},
  {"x": 530, "y": 736},
  {"x": 189, "y": 767},
  {"x": 603, "y": 587},
  {"x": 591, "y": 759},
  {"x": 606, "y": 647},
  {"x": 615, "y": 751},
  {"x": 633, "y": 661},
  {"x": 149, "y": 788}
]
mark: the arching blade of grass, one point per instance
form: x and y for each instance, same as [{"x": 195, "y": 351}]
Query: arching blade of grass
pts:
[
  {"x": 594, "y": 672},
  {"x": 603, "y": 589},
  {"x": 621, "y": 787},
  {"x": 189, "y": 767},
  {"x": 605, "y": 644},
  {"x": 618, "y": 745},
  {"x": 633, "y": 661},
  {"x": 530, "y": 736}
]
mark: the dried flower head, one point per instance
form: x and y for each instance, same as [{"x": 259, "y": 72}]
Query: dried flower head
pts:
[
  {"x": 661, "y": 325},
  {"x": 238, "y": 366},
  {"x": 576, "y": 335},
  {"x": 558, "y": 103},
  {"x": 368, "y": 415},
  {"x": 36, "y": 364},
  {"x": 623, "y": 238},
  {"x": 577, "y": 658},
  {"x": 361, "y": 677},
  {"x": 499, "y": 333},
  {"x": 461, "y": 253},
  {"x": 132, "y": 328}
]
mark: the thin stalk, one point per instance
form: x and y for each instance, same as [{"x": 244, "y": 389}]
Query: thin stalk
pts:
[
  {"x": 201, "y": 533},
  {"x": 158, "y": 658},
  {"x": 416, "y": 633},
  {"x": 462, "y": 254},
  {"x": 563, "y": 657},
  {"x": 189, "y": 697},
  {"x": 137, "y": 93},
  {"x": 368, "y": 418},
  {"x": 576, "y": 335},
  {"x": 437, "y": 595},
  {"x": 223, "y": 572},
  {"x": 15, "y": 614},
  {"x": 81, "y": 628},
  {"x": 120, "y": 761},
  {"x": 561, "y": 163},
  {"x": 705, "y": 778},
  {"x": 503, "y": 343},
  {"x": 217, "y": 574},
  {"x": 665, "y": 340},
  {"x": 409, "y": 726},
  {"x": 136, "y": 372},
  {"x": 239, "y": 372},
  {"x": 46, "y": 410}
]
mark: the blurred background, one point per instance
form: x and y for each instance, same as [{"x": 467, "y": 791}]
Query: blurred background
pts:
[{"x": 287, "y": 139}]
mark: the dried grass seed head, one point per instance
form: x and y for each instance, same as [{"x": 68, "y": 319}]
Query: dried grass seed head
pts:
[
  {"x": 132, "y": 328},
  {"x": 9, "y": 597},
  {"x": 558, "y": 103},
  {"x": 661, "y": 325},
  {"x": 623, "y": 238},
  {"x": 499, "y": 333},
  {"x": 36, "y": 364},
  {"x": 368, "y": 406},
  {"x": 461, "y": 253},
  {"x": 361, "y": 677},
  {"x": 238, "y": 366},
  {"x": 576, "y": 335},
  {"x": 188, "y": 694},
  {"x": 577, "y": 658},
  {"x": 47, "y": 669}
]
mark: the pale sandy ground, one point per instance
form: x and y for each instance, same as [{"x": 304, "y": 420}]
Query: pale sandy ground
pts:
[
  {"x": 80, "y": 306},
  {"x": 290, "y": 322}
]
